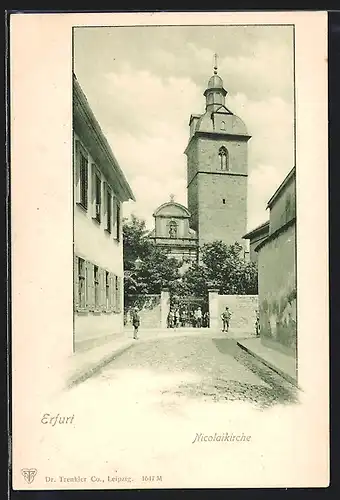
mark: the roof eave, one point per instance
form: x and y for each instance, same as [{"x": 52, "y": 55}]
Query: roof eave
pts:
[{"x": 87, "y": 114}]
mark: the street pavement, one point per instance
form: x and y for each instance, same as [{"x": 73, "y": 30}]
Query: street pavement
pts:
[
  {"x": 212, "y": 366},
  {"x": 139, "y": 416}
]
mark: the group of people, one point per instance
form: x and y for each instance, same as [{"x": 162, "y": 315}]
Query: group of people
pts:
[
  {"x": 181, "y": 318},
  {"x": 197, "y": 319}
]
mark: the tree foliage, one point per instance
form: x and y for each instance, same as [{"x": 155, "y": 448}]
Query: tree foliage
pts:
[
  {"x": 228, "y": 269},
  {"x": 156, "y": 270},
  {"x": 221, "y": 266}
]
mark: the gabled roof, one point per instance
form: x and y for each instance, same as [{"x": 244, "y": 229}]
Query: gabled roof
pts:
[{"x": 223, "y": 110}]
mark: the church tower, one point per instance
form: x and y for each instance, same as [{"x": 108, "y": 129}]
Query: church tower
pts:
[{"x": 217, "y": 169}]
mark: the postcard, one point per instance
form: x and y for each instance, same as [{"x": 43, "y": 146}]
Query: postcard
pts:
[{"x": 169, "y": 258}]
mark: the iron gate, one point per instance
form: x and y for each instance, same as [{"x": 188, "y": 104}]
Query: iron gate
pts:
[{"x": 184, "y": 312}]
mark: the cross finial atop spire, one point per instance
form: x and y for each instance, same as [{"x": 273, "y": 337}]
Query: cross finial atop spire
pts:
[
  {"x": 172, "y": 197},
  {"x": 215, "y": 64}
]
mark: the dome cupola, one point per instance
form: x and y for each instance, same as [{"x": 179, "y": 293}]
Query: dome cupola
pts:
[{"x": 215, "y": 92}]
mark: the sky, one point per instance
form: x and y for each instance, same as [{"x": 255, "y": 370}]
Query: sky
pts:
[{"x": 143, "y": 83}]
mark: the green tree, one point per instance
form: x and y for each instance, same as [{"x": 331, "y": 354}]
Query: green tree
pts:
[
  {"x": 224, "y": 267},
  {"x": 156, "y": 270}
]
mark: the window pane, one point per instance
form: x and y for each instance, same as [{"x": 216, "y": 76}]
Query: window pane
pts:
[
  {"x": 96, "y": 286},
  {"x": 83, "y": 180},
  {"x": 109, "y": 209},
  {"x": 118, "y": 220},
  {"x": 98, "y": 197}
]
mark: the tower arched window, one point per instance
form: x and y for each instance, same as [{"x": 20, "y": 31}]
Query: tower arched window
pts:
[
  {"x": 224, "y": 160},
  {"x": 222, "y": 125},
  {"x": 173, "y": 229}
]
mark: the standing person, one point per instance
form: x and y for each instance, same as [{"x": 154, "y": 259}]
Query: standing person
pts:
[
  {"x": 171, "y": 318},
  {"x": 198, "y": 317},
  {"x": 207, "y": 318},
  {"x": 257, "y": 323},
  {"x": 135, "y": 322},
  {"x": 176, "y": 318},
  {"x": 225, "y": 316}
]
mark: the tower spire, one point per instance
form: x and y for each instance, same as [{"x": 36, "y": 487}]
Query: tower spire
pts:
[{"x": 215, "y": 64}]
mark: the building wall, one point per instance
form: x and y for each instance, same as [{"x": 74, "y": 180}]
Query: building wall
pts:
[
  {"x": 97, "y": 246},
  {"x": 243, "y": 311},
  {"x": 283, "y": 210},
  {"x": 207, "y": 158},
  {"x": 208, "y": 186},
  {"x": 192, "y": 194},
  {"x": 218, "y": 220},
  {"x": 277, "y": 291},
  {"x": 253, "y": 244},
  {"x": 162, "y": 226}
]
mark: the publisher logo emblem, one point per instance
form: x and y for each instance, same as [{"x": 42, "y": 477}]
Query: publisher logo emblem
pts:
[{"x": 29, "y": 475}]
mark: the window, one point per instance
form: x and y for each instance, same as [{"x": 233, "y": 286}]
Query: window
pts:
[
  {"x": 108, "y": 209},
  {"x": 117, "y": 220},
  {"x": 83, "y": 180},
  {"x": 222, "y": 125},
  {"x": 107, "y": 290},
  {"x": 173, "y": 229},
  {"x": 97, "y": 193},
  {"x": 223, "y": 156},
  {"x": 96, "y": 287},
  {"x": 81, "y": 283},
  {"x": 223, "y": 201}
]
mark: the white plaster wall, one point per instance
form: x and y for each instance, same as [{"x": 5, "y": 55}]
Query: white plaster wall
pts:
[{"x": 93, "y": 243}]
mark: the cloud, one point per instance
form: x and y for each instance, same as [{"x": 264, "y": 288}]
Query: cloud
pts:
[
  {"x": 263, "y": 181},
  {"x": 143, "y": 85}
]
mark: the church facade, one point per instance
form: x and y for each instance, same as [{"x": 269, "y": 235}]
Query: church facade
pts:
[
  {"x": 217, "y": 178},
  {"x": 173, "y": 233}
]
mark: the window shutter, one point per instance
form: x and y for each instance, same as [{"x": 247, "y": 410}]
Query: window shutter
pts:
[
  {"x": 76, "y": 166},
  {"x": 76, "y": 283},
  {"x": 118, "y": 219},
  {"x": 90, "y": 287},
  {"x": 119, "y": 292},
  {"x": 105, "y": 197},
  {"x": 102, "y": 306},
  {"x": 114, "y": 215},
  {"x": 110, "y": 202},
  {"x": 110, "y": 292},
  {"x": 114, "y": 295},
  {"x": 105, "y": 202},
  {"x": 88, "y": 302},
  {"x": 93, "y": 190}
]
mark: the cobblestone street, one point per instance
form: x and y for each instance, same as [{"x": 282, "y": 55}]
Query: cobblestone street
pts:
[
  {"x": 139, "y": 417},
  {"x": 221, "y": 370}
]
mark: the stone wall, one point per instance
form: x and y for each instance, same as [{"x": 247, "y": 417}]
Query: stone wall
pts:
[
  {"x": 277, "y": 291},
  {"x": 217, "y": 199},
  {"x": 242, "y": 307},
  {"x": 149, "y": 308}
]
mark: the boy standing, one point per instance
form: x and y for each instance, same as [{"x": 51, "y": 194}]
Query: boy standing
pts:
[{"x": 225, "y": 316}]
